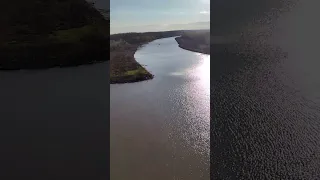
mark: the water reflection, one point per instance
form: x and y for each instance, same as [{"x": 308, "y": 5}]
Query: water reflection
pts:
[
  {"x": 266, "y": 120},
  {"x": 160, "y": 128},
  {"x": 203, "y": 72},
  {"x": 197, "y": 91}
]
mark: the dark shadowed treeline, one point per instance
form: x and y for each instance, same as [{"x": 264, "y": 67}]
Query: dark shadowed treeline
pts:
[{"x": 48, "y": 33}]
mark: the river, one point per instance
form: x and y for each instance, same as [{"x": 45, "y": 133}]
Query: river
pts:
[
  {"x": 160, "y": 128},
  {"x": 54, "y": 121},
  {"x": 266, "y": 91}
]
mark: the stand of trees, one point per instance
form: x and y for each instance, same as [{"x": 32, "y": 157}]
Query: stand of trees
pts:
[{"x": 48, "y": 33}]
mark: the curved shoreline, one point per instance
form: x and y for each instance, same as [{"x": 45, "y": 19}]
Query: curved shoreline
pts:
[
  {"x": 183, "y": 44},
  {"x": 123, "y": 66},
  {"x": 136, "y": 74},
  {"x": 123, "y": 61},
  {"x": 193, "y": 50}
]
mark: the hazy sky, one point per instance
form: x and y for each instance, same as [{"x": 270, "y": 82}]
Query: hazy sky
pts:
[{"x": 158, "y": 15}]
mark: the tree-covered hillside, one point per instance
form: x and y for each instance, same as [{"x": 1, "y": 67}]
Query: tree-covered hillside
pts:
[{"x": 48, "y": 33}]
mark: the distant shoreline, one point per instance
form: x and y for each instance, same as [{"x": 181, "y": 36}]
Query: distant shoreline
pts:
[{"x": 190, "y": 45}]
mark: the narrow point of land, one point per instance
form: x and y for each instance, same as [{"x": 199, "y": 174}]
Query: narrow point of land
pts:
[
  {"x": 56, "y": 33},
  {"x": 196, "y": 41},
  {"x": 123, "y": 66}
]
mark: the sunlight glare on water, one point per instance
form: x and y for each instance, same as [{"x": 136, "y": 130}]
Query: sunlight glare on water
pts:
[{"x": 204, "y": 72}]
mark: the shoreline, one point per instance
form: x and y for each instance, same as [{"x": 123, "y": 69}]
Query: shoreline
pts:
[
  {"x": 123, "y": 66},
  {"x": 192, "y": 50},
  {"x": 191, "y": 45},
  {"x": 51, "y": 67},
  {"x": 136, "y": 74}
]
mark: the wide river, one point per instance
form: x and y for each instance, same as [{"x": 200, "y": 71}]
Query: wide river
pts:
[{"x": 160, "y": 128}]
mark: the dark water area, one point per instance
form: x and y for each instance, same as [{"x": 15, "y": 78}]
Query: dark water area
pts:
[
  {"x": 266, "y": 97},
  {"x": 233, "y": 16},
  {"x": 159, "y": 129},
  {"x": 53, "y": 123}
]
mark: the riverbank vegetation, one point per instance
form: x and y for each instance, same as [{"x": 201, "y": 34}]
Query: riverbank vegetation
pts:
[
  {"x": 49, "y": 33},
  {"x": 123, "y": 66},
  {"x": 197, "y": 41}
]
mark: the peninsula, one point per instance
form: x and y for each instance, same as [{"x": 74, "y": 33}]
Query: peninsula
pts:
[{"x": 123, "y": 66}]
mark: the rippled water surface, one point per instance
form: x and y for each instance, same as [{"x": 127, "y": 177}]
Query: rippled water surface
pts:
[
  {"x": 266, "y": 121},
  {"x": 160, "y": 128}
]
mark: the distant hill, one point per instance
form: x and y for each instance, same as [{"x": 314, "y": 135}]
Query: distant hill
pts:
[{"x": 48, "y": 33}]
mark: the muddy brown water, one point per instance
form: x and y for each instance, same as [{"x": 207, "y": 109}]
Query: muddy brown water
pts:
[{"x": 160, "y": 127}]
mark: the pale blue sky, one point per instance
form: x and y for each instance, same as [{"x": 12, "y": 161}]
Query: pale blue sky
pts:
[{"x": 158, "y": 15}]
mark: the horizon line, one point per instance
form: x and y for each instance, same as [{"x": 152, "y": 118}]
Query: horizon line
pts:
[
  {"x": 162, "y": 31},
  {"x": 162, "y": 24}
]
